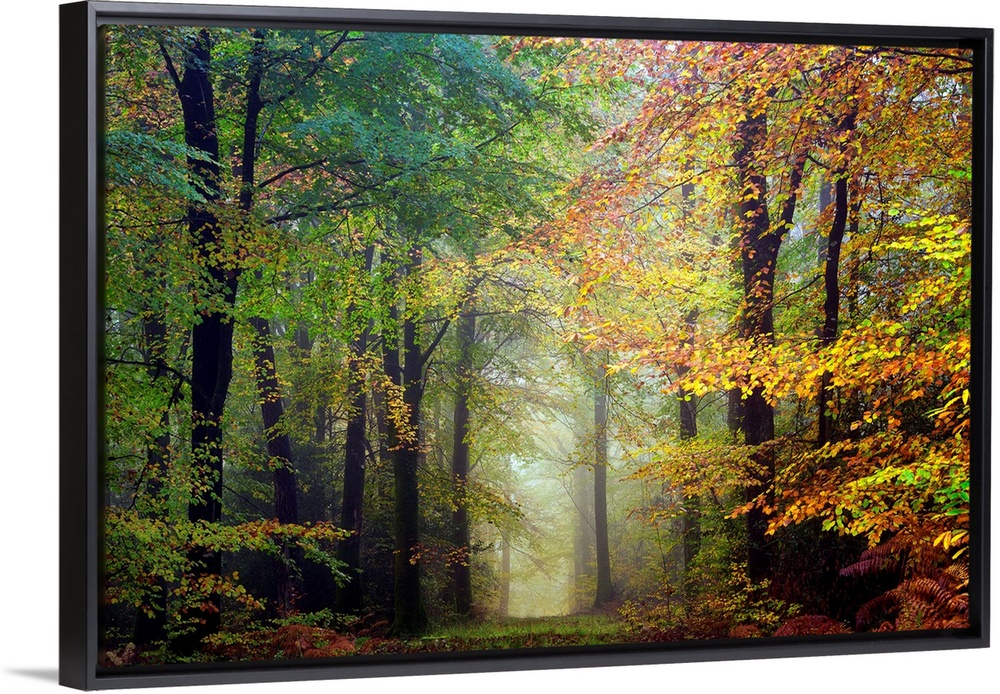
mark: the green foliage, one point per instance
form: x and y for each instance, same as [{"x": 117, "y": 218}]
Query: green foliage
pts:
[
  {"x": 718, "y": 611},
  {"x": 146, "y": 557},
  {"x": 579, "y": 198},
  {"x": 139, "y": 161}
]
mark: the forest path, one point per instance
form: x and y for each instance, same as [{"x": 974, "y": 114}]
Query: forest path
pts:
[{"x": 529, "y": 632}]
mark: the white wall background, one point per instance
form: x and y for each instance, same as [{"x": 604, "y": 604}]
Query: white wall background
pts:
[{"x": 29, "y": 379}]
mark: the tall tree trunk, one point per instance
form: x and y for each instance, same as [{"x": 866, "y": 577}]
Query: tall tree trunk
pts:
[
  {"x": 461, "y": 569},
  {"x": 350, "y": 596},
  {"x": 605, "y": 591},
  {"x": 212, "y": 334},
  {"x": 279, "y": 455},
  {"x": 759, "y": 250},
  {"x": 831, "y": 304},
  {"x": 831, "y": 285},
  {"x": 759, "y": 245},
  {"x": 279, "y": 446},
  {"x": 410, "y": 617},
  {"x": 504, "y": 608},
  {"x": 688, "y": 414}
]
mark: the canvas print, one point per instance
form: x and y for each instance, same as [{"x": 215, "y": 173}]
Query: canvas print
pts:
[{"x": 426, "y": 342}]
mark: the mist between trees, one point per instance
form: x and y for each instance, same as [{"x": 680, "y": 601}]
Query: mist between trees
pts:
[{"x": 430, "y": 342}]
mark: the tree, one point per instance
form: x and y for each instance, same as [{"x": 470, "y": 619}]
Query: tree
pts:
[
  {"x": 605, "y": 590},
  {"x": 212, "y": 335},
  {"x": 466, "y": 334},
  {"x": 410, "y": 617},
  {"x": 759, "y": 245},
  {"x": 279, "y": 447},
  {"x": 350, "y": 596}
]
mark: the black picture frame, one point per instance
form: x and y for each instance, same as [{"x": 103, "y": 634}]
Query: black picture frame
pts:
[{"x": 80, "y": 339}]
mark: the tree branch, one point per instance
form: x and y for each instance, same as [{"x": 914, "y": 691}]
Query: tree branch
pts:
[
  {"x": 315, "y": 68},
  {"x": 170, "y": 65},
  {"x": 293, "y": 169}
]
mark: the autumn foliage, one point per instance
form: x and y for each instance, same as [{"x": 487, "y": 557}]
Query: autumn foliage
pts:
[{"x": 436, "y": 332}]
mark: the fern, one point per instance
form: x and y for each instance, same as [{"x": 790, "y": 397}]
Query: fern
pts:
[
  {"x": 929, "y": 605},
  {"x": 877, "y": 612},
  {"x": 958, "y": 574},
  {"x": 810, "y": 624},
  {"x": 930, "y": 595},
  {"x": 887, "y": 557},
  {"x": 866, "y": 567}
]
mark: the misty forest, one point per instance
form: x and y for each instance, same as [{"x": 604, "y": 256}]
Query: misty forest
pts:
[{"x": 429, "y": 342}]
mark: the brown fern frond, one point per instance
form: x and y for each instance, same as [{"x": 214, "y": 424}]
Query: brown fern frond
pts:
[
  {"x": 926, "y": 564},
  {"x": 811, "y": 624},
  {"x": 931, "y": 593},
  {"x": 893, "y": 548},
  {"x": 959, "y": 622},
  {"x": 926, "y": 604},
  {"x": 867, "y": 567},
  {"x": 885, "y": 557},
  {"x": 877, "y": 611},
  {"x": 954, "y": 614},
  {"x": 926, "y": 590},
  {"x": 959, "y": 573}
]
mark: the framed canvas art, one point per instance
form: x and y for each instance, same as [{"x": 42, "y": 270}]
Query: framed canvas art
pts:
[{"x": 420, "y": 342}]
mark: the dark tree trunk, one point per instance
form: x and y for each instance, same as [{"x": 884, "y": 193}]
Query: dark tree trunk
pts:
[
  {"x": 759, "y": 251},
  {"x": 279, "y": 455},
  {"x": 212, "y": 335},
  {"x": 410, "y": 617},
  {"x": 831, "y": 284},
  {"x": 272, "y": 409},
  {"x": 759, "y": 245},
  {"x": 605, "y": 591},
  {"x": 688, "y": 415},
  {"x": 350, "y": 596},
  {"x": 461, "y": 569},
  {"x": 831, "y": 304}
]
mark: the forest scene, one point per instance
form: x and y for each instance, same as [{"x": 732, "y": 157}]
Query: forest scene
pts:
[{"x": 425, "y": 342}]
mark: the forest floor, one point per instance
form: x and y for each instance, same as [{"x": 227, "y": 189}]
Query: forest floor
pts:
[
  {"x": 534, "y": 632},
  {"x": 295, "y": 641},
  {"x": 511, "y": 633},
  {"x": 301, "y": 641}
]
